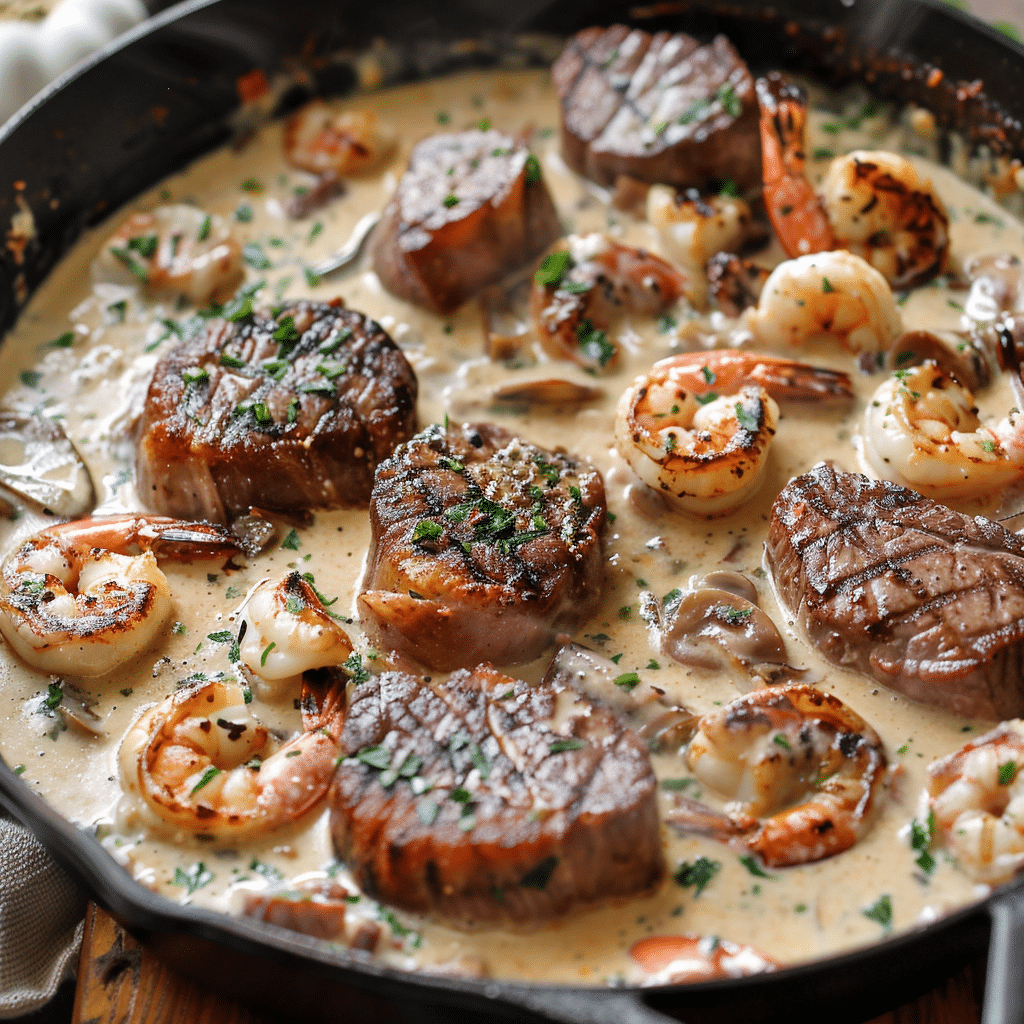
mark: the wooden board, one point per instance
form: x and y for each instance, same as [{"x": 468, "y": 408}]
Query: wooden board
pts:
[{"x": 121, "y": 982}]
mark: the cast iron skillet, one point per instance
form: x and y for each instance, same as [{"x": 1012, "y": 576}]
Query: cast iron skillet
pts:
[{"x": 168, "y": 92}]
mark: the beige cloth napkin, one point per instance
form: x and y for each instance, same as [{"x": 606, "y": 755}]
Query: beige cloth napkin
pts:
[{"x": 41, "y": 919}]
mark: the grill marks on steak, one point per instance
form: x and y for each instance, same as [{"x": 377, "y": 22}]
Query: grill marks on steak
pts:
[
  {"x": 660, "y": 108},
  {"x": 472, "y": 207},
  {"x": 484, "y": 800},
  {"x": 284, "y": 412},
  {"x": 922, "y": 598},
  {"x": 483, "y": 547}
]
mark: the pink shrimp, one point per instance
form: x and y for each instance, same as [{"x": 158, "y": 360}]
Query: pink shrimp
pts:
[{"x": 697, "y": 426}]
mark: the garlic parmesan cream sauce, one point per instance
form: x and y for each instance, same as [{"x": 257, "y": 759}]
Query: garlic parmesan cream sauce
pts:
[{"x": 82, "y": 353}]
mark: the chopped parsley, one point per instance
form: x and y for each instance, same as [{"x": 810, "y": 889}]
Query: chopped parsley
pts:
[
  {"x": 532, "y": 170},
  {"x": 880, "y": 911},
  {"x": 54, "y": 695},
  {"x": 205, "y": 779},
  {"x": 628, "y": 680},
  {"x": 354, "y": 667},
  {"x": 1007, "y": 772},
  {"x": 554, "y": 267},
  {"x": 427, "y": 529},
  {"x": 375, "y": 757},
  {"x": 253, "y": 254},
  {"x": 561, "y": 746},
  {"x": 921, "y": 836},
  {"x": 292, "y": 542},
  {"x": 752, "y": 864},
  {"x": 144, "y": 245},
  {"x": 745, "y": 418},
  {"x": 194, "y": 878},
  {"x": 594, "y": 343},
  {"x": 698, "y": 874}
]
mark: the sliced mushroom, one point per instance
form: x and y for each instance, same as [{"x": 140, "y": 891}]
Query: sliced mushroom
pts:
[
  {"x": 77, "y": 710},
  {"x": 549, "y": 391},
  {"x": 40, "y": 465},
  {"x": 505, "y": 315},
  {"x": 997, "y": 286},
  {"x": 645, "y": 708},
  {"x": 967, "y": 358},
  {"x": 717, "y": 623}
]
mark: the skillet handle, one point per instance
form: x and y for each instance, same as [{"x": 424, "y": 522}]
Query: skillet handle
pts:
[
  {"x": 1004, "y": 982},
  {"x": 587, "y": 1006}
]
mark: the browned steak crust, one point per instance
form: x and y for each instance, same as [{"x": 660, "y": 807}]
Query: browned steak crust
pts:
[
  {"x": 471, "y": 208},
  {"x": 922, "y": 598},
  {"x": 483, "y": 547},
  {"x": 658, "y": 108},
  {"x": 482, "y": 799},
  {"x": 282, "y": 412}
]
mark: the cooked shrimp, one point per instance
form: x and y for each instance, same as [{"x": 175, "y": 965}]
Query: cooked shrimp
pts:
[
  {"x": 881, "y": 209},
  {"x": 872, "y": 203},
  {"x": 200, "y": 762},
  {"x": 922, "y": 430},
  {"x": 321, "y": 140},
  {"x": 682, "y": 959},
  {"x": 288, "y": 631},
  {"x": 697, "y": 426},
  {"x": 177, "y": 251},
  {"x": 84, "y": 597},
  {"x": 693, "y": 228},
  {"x": 584, "y": 282},
  {"x": 827, "y": 293},
  {"x": 977, "y": 797},
  {"x": 806, "y": 770}
]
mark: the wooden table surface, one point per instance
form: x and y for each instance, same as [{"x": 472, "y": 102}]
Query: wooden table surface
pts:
[{"x": 121, "y": 982}]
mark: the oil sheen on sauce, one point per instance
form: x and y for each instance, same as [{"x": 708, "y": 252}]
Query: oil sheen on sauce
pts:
[{"x": 95, "y": 386}]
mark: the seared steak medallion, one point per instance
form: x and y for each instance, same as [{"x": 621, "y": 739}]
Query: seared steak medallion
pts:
[
  {"x": 471, "y": 208},
  {"x": 483, "y": 799},
  {"x": 282, "y": 412},
  {"x": 922, "y": 598},
  {"x": 660, "y": 108},
  {"x": 483, "y": 547}
]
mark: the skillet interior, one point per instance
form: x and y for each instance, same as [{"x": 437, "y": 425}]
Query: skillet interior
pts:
[{"x": 170, "y": 93}]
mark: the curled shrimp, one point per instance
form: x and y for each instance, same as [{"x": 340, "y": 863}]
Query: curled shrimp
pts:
[
  {"x": 872, "y": 203},
  {"x": 921, "y": 429},
  {"x": 697, "y": 426},
  {"x": 584, "y": 282},
  {"x": 693, "y": 228},
  {"x": 288, "y": 631},
  {"x": 202, "y": 764},
  {"x": 85, "y": 596},
  {"x": 976, "y": 795},
  {"x": 685, "y": 959},
  {"x": 346, "y": 142},
  {"x": 826, "y": 293},
  {"x": 174, "y": 251},
  {"x": 807, "y": 771}
]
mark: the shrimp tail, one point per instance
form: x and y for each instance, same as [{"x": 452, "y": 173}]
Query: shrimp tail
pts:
[
  {"x": 324, "y": 701},
  {"x": 184, "y": 541},
  {"x": 794, "y": 209},
  {"x": 691, "y": 817},
  {"x": 789, "y": 381}
]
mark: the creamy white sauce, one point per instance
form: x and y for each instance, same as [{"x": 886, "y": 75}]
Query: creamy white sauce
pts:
[{"x": 95, "y": 387}]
